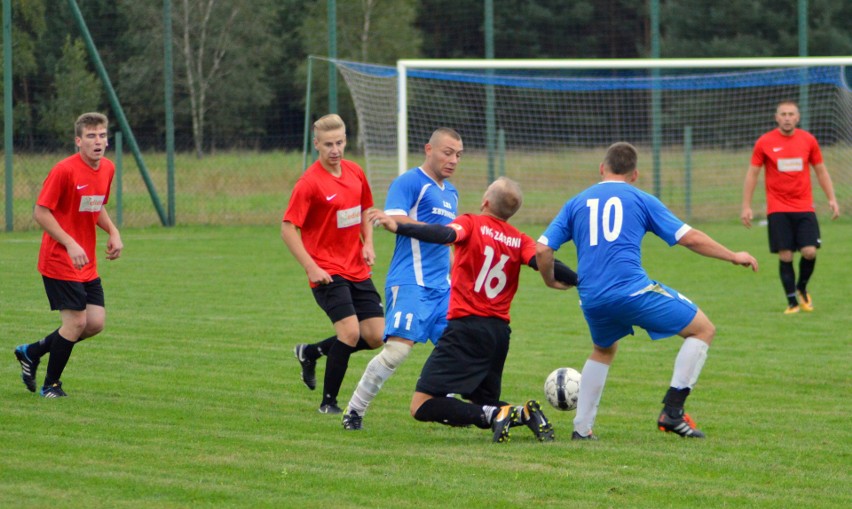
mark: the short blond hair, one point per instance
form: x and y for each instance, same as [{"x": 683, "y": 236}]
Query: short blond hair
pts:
[
  {"x": 330, "y": 122},
  {"x": 504, "y": 197},
  {"x": 91, "y": 119}
]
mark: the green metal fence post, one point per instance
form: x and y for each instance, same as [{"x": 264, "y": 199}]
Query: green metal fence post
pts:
[
  {"x": 803, "y": 52},
  {"x": 168, "y": 75},
  {"x": 332, "y": 54},
  {"x": 117, "y": 109},
  {"x": 687, "y": 170},
  {"x": 656, "y": 100},
  {"x": 7, "y": 113},
  {"x": 490, "y": 100},
  {"x": 119, "y": 185},
  {"x": 307, "y": 136}
]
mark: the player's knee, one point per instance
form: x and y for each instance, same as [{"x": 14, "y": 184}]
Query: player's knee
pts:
[
  {"x": 93, "y": 328},
  {"x": 394, "y": 353},
  {"x": 809, "y": 252}
]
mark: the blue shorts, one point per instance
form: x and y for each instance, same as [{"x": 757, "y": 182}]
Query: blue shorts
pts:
[
  {"x": 660, "y": 310},
  {"x": 416, "y": 313}
]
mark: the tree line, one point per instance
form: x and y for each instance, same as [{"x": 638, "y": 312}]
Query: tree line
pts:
[{"x": 240, "y": 65}]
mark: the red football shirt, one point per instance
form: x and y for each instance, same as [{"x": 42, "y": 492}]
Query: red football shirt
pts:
[
  {"x": 488, "y": 258},
  {"x": 75, "y": 193},
  {"x": 327, "y": 210},
  {"x": 788, "y": 174}
]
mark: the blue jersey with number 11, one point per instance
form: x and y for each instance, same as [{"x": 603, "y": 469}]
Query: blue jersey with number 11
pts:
[
  {"x": 607, "y": 223},
  {"x": 416, "y": 195}
]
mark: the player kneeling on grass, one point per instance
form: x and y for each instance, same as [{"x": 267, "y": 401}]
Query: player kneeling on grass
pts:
[
  {"x": 607, "y": 223},
  {"x": 469, "y": 357}
]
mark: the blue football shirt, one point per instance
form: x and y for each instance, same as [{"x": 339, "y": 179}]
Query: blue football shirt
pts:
[
  {"x": 415, "y": 194},
  {"x": 607, "y": 222}
]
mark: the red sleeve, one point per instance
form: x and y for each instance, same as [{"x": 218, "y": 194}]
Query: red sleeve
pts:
[
  {"x": 816, "y": 153},
  {"x": 51, "y": 191},
  {"x": 366, "y": 192},
  {"x": 461, "y": 225},
  {"x": 300, "y": 201},
  {"x": 757, "y": 155}
]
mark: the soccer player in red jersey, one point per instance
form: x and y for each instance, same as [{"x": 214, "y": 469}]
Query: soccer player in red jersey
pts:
[
  {"x": 787, "y": 153},
  {"x": 325, "y": 229},
  {"x": 469, "y": 357},
  {"x": 69, "y": 206}
]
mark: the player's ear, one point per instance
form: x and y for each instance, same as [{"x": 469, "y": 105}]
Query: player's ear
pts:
[{"x": 635, "y": 176}]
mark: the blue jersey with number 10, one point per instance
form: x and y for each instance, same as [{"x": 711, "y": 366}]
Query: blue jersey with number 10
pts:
[
  {"x": 416, "y": 195},
  {"x": 607, "y": 223}
]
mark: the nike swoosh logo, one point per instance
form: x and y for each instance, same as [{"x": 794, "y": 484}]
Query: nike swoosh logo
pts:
[
  {"x": 82, "y": 187},
  {"x": 778, "y": 149},
  {"x": 329, "y": 198}
]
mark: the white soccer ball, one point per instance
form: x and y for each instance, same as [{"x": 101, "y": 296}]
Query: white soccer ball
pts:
[{"x": 562, "y": 388}]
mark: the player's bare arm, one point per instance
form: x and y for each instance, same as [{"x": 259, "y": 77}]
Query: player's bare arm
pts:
[
  {"x": 748, "y": 192},
  {"x": 827, "y": 186},
  {"x": 114, "y": 244},
  {"x": 378, "y": 218},
  {"x": 368, "y": 251},
  {"x": 293, "y": 240},
  {"x": 45, "y": 218},
  {"x": 546, "y": 262},
  {"x": 703, "y": 244}
]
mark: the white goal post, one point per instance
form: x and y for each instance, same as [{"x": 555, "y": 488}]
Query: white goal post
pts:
[{"x": 546, "y": 123}]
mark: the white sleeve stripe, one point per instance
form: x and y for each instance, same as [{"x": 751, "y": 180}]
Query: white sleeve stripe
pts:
[{"x": 682, "y": 231}]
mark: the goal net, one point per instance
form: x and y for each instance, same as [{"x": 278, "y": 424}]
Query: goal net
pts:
[{"x": 547, "y": 124}]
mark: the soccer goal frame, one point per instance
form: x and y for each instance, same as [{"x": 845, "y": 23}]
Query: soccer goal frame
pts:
[{"x": 404, "y": 67}]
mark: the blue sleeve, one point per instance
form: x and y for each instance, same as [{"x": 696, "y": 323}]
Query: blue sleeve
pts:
[
  {"x": 401, "y": 194},
  {"x": 663, "y": 222},
  {"x": 559, "y": 230}
]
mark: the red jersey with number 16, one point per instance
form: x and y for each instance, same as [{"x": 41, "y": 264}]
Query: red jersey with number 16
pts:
[
  {"x": 788, "y": 161},
  {"x": 327, "y": 210},
  {"x": 488, "y": 258},
  {"x": 75, "y": 193}
]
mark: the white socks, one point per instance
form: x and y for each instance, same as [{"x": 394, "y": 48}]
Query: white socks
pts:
[
  {"x": 591, "y": 388},
  {"x": 380, "y": 368},
  {"x": 690, "y": 359}
]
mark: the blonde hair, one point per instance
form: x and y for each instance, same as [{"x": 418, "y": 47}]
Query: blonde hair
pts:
[
  {"x": 91, "y": 119},
  {"x": 330, "y": 122},
  {"x": 504, "y": 197}
]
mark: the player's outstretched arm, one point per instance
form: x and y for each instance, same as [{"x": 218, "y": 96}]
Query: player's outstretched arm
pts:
[
  {"x": 703, "y": 244},
  {"x": 561, "y": 272},
  {"x": 378, "y": 218},
  {"x": 546, "y": 263},
  {"x": 427, "y": 232}
]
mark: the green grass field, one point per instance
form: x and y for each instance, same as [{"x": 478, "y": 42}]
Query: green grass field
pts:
[{"x": 191, "y": 396}]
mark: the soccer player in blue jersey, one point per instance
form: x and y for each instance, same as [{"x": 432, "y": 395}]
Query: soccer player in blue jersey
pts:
[
  {"x": 607, "y": 222},
  {"x": 417, "y": 289}
]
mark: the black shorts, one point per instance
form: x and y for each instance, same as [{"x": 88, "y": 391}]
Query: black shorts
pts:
[
  {"x": 73, "y": 295},
  {"x": 791, "y": 231},
  {"x": 468, "y": 360},
  {"x": 343, "y": 298}
]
